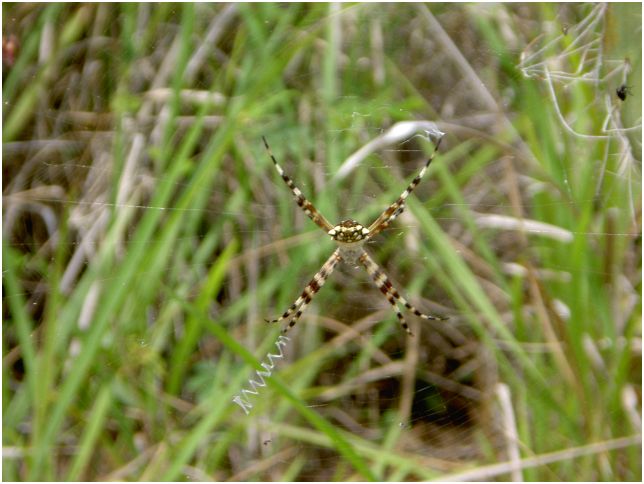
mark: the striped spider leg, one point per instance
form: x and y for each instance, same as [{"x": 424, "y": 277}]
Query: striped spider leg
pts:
[
  {"x": 398, "y": 206},
  {"x": 350, "y": 237},
  {"x": 306, "y": 206},
  {"x": 393, "y": 296},
  {"x": 297, "y": 308}
]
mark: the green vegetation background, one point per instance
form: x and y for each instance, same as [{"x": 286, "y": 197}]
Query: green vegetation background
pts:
[{"x": 146, "y": 237}]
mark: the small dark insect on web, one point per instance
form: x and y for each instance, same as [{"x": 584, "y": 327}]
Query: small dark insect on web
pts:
[{"x": 623, "y": 91}]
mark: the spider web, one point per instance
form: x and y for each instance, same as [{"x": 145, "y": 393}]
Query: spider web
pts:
[
  {"x": 442, "y": 391},
  {"x": 577, "y": 56}
]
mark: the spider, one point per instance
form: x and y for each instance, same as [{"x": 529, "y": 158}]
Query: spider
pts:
[{"x": 350, "y": 236}]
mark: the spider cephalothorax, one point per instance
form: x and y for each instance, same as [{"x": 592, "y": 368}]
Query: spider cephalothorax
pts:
[
  {"x": 348, "y": 231},
  {"x": 350, "y": 237}
]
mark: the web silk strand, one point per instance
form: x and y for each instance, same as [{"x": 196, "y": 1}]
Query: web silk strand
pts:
[{"x": 243, "y": 399}]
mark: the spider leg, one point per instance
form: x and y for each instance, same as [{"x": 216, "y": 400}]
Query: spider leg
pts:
[
  {"x": 306, "y": 206},
  {"x": 396, "y": 208},
  {"x": 309, "y": 292},
  {"x": 393, "y": 296}
]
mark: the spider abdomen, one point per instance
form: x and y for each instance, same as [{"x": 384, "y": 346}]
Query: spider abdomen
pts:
[
  {"x": 350, "y": 236},
  {"x": 348, "y": 232}
]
